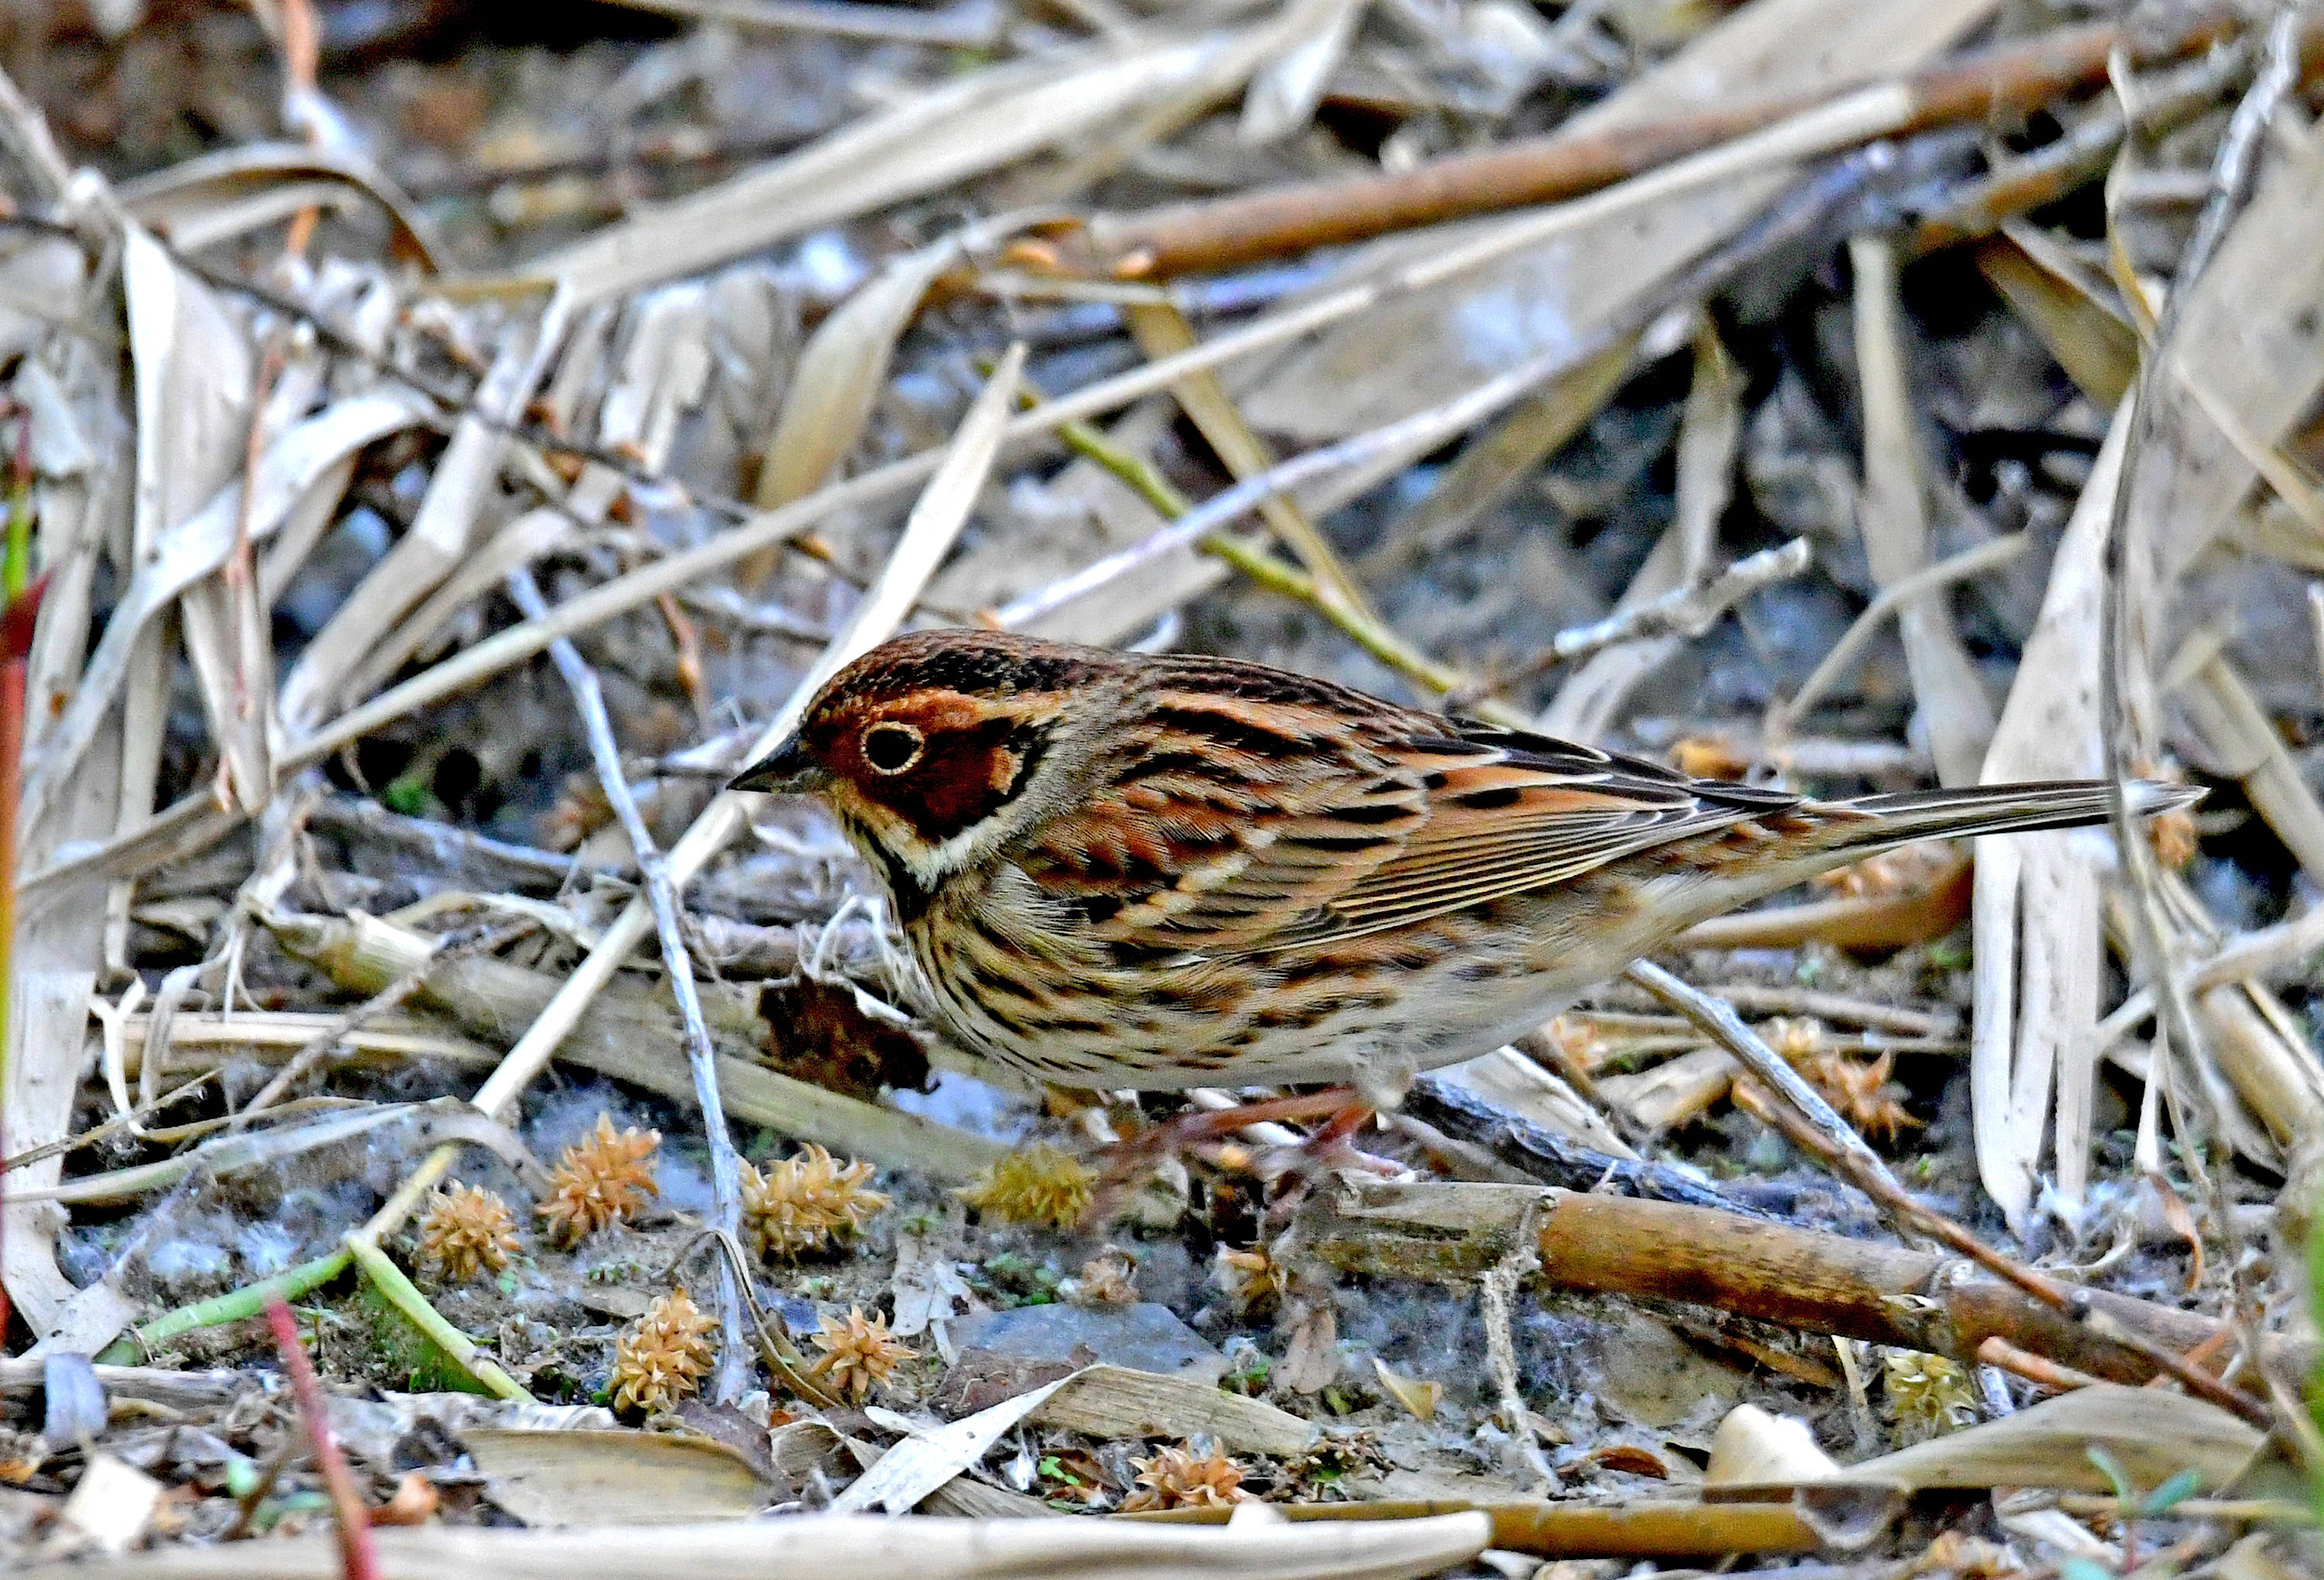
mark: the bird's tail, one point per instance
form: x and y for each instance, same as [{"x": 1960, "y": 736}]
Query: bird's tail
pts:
[{"x": 1877, "y": 823}]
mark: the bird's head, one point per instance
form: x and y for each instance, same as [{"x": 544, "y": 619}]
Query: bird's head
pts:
[{"x": 934, "y": 748}]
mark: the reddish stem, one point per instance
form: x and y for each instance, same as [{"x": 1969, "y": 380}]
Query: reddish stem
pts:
[
  {"x": 357, "y": 1559},
  {"x": 11, "y": 745}
]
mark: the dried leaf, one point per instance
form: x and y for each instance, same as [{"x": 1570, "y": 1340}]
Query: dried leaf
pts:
[
  {"x": 1419, "y": 1398},
  {"x": 840, "y": 373},
  {"x": 2153, "y": 1435},
  {"x": 599, "y": 1478}
]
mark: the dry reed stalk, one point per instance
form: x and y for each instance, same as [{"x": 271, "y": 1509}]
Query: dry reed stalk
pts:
[
  {"x": 1809, "y": 1280},
  {"x": 1994, "y": 84}
]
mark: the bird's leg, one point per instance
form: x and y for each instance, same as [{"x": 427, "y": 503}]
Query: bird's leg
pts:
[{"x": 1344, "y": 1109}]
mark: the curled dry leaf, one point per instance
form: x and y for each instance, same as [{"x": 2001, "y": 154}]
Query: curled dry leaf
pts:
[
  {"x": 1104, "y": 1280},
  {"x": 1420, "y": 1399}
]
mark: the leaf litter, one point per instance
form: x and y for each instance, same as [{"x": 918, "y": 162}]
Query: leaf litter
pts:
[{"x": 453, "y": 444}]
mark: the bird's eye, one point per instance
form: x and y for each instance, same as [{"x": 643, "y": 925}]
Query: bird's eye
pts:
[{"x": 891, "y": 748}]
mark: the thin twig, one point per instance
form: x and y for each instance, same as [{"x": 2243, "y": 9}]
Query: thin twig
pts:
[
  {"x": 2232, "y": 171},
  {"x": 400, "y": 1292},
  {"x": 490, "y": 937},
  {"x": 1838, "y": 1146},
  {"x": 2156, "y": 944},
  {"x": 1960, "y": 567},
  {"x": 702, "y": 1056},
  {"x": 1685, "y": 611}
]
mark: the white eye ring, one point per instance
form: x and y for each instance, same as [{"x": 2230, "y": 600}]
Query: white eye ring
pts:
[{"x": 883, "y": 739}]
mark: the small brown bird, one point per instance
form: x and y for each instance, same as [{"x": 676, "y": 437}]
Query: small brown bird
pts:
[{"x": 1118, "y": 869}]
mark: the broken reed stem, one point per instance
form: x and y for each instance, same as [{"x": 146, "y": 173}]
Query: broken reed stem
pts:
[
  {"x": 1355, "y": 621},
  {"x": 491, "y": 937},
  {"x": 404, "y": 1295},
  {"x": 358, "y": 1559},
  {"x": 701, "y": 1058},
  {"x": 1836, "y": 1144},
  {"x": 234, "y": 1306},
  {"x": 1203, "y": 238},
  {"x": 1812, "y": 1281}
]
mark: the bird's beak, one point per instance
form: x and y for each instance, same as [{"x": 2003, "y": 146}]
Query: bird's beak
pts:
[{"x": 783, "y": 770}]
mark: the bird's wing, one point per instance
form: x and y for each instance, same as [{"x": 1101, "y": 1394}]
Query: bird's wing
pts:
[
  {"x": 1509, "y": 812},
  {"x": 1236, "y": 824}
]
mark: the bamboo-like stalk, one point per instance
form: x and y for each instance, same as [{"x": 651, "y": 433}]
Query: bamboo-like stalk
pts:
[
  {"x": 404, "y": 1295},
  {"x": 1804, "y": 1279},
  {"x": 2006, "y": 81}
]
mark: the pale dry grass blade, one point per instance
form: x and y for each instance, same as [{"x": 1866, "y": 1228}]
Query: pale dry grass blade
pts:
[
  {"x": 2244, "y": 740},
  {"x": 528, "y": 538},
  {"x": 2086, "y": 331},
  {"x": 1500, "y": 458},
  {"x": 1586, "y": 702},
  {"x": 986, "y": 120},
  {"x": 1085, "y": 513},
  {"x": 440, "y": 537},
  {"x": 1894, "y": 522},
  {"x": 2034, "y": 904},
  {"x": 1161, "y": 330},
  {"x": 1284, "y": 92},
  {"x": 194, "y": 374},
  {"x": 838, "y": 376},
  {"x": 213, "y": 197},
  {"x": 2245, "y": 348},
  {"x": 860, "y": 1545},
  {"x": 303, "y": 470},
  {"x": 966, "y": 24},
  {"x": 83, "y": 505},
  {"x": 2153, "y": 1434},
  {"x": 1710, "y": 429}
]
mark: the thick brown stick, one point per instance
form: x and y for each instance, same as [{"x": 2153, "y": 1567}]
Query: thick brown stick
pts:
[
  {"x": 2006, "y": 82},
  {"x": 1797, "y": 1278}
]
